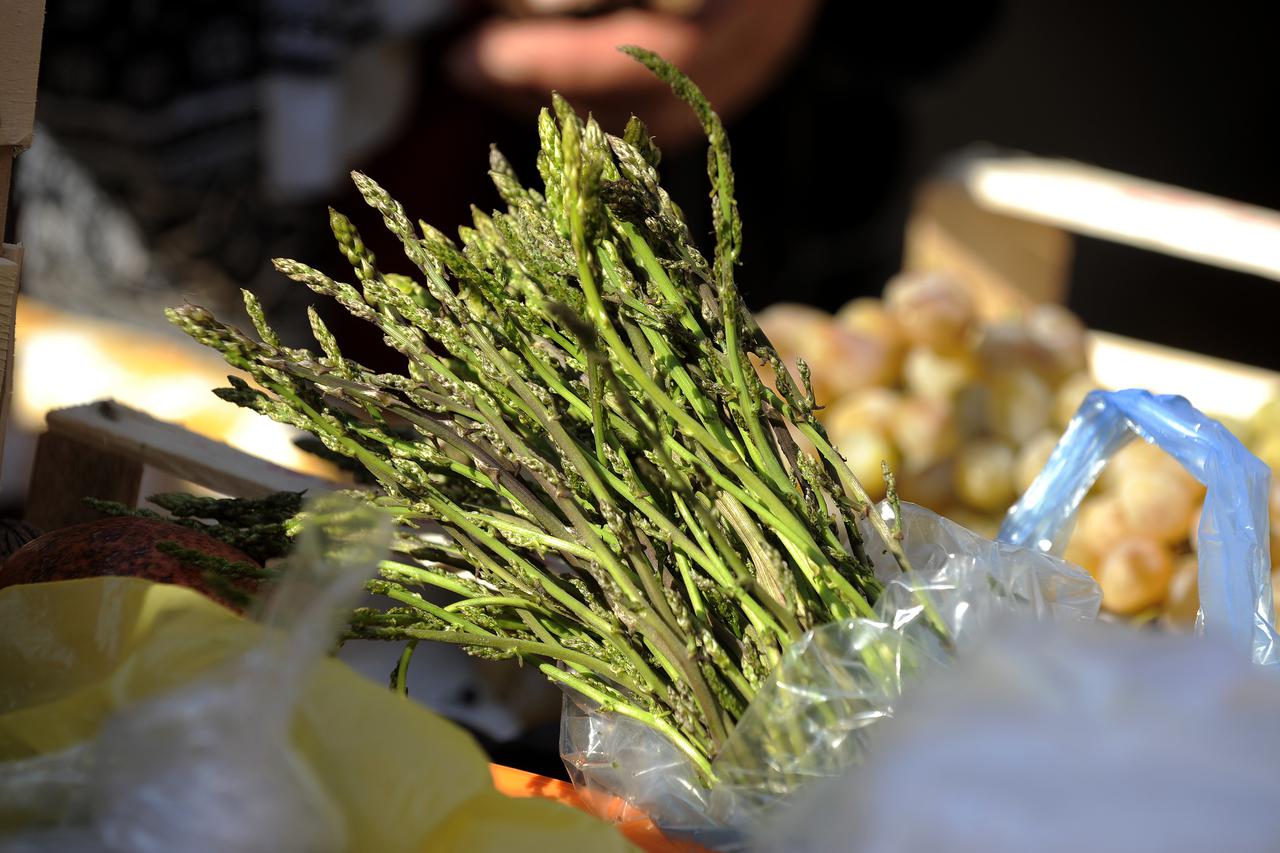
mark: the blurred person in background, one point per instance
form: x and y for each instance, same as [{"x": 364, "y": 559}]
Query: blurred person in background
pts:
[
  {"x": 184, "y": 145},
  {"x": 812, "y": 92}
]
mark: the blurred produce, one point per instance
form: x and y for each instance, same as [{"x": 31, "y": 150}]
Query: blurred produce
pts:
[
  {"x": 963, "y": 409},
  {"x": 967, "y": 411},
  {"x": 130, "y": 546}
]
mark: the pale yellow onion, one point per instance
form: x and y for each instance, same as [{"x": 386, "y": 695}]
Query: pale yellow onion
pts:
[
  {"x": 1008, "y": 344},
  {"x": 930, "y": 486},
  {"x": 983, "y": 475},
  {"x": 1182, "y": 601},
  {"x": 1157, "y": 503},
  {"x": 868, "y": 316},
  {"x": 1018, "y": 405},
  {"x": 870, "y": 408},
  {"x": 932, "y": 309},
  {"x": 1068, "y": 396},
  {"x": 1031, "y": 458},
  {"x": 1134, "y": 575},
  {"x": 865, "y": 450},
  {"x": 1100, "y": 523},
  {"x": 1062, "y": 335},
  {"x": 936, "y": 376},
  {"x": 844, "y": 361},
  {"x": 924, "y": 430}
]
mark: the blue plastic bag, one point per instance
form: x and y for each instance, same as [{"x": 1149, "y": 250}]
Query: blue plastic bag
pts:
[
  {"x": 1235, "y": 564},
  {"x": 1078, "y": 736}
]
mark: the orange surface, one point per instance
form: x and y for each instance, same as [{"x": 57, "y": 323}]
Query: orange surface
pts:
[{"x": 642, "y": 833}]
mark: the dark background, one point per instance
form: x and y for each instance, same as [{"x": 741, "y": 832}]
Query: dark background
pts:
[
  {"x": 1184, "y": 93},
  {"x": 1179, "y": 92}
]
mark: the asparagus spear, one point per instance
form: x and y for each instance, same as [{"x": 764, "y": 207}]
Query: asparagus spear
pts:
[{"x": 624, "y": 503}]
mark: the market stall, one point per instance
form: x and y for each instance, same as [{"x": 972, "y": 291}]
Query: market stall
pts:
[{"x": 740, "y": 546}]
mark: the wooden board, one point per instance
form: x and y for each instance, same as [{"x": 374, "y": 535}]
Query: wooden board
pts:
[
  {"x": 71, "y": 470},
  {"x": 1004, "y": 225},
  {"x": 171, "y": 448},
  {"x": 1005, "y": 262},
  {"x": 100, "y": 449},
  {"x": 21, "y": 24},
  {"x": 1084, "y": 199},
  {"x": 10, "y": 267},
  {"x": 1221, "y": 388},
  {"x": 6, "y": 173}
]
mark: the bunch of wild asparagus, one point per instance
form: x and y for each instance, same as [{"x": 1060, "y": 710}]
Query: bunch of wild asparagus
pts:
[{"x": 625, "y": 504}]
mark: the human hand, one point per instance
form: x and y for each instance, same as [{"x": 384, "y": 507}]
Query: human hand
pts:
[{"x": 733, "y": 49}]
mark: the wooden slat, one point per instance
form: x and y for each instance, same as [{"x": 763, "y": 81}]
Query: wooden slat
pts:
[
  {"x": 137, "y": 436},
  {"x": 66, "y": 471},
  {"x": 6, "y": 172},
  {"x": 10, "y": 267},
  {"x": 21, "y": 23},
  {"x": 1112, "y": 206},
  {"x": 1219, "y": 387},
  {"x": 1006, "y": 263}
]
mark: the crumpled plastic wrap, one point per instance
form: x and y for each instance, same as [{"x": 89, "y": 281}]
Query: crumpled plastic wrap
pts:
[
  {"x": 143, "y": 717},
  {"x": 812, "y": 719},
  {"x": 1062, "y": 739},
  {"x": 170, "y": 771}
]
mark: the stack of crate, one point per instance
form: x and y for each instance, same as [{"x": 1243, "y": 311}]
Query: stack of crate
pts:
[{"x": 21, "y": 23}]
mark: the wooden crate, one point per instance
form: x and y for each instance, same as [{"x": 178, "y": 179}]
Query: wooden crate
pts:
[
  {"x": 100, "y": 450},
  {"x": 1004, "y": 226},
  {"x": 21, "y": 25}
]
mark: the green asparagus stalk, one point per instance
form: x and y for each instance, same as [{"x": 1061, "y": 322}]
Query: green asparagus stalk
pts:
[{"x": 622, "y": 500}]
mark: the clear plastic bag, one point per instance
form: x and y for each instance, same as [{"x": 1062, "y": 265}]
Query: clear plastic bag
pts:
[
  {"x": 88, "y": 660},
  {"x": 210, "y": 765},
  {"x": 1062, "y": 739},
  {"x": 811, "y": 720}
]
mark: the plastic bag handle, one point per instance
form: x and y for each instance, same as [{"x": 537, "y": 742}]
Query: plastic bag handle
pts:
[{"x": 1234, "y": 540}]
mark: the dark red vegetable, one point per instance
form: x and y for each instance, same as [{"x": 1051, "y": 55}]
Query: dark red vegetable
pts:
[{"x": 123, "y": 546}]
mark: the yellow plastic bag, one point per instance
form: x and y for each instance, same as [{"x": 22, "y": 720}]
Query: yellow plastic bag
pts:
[{"x": 73, "y": 653}]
